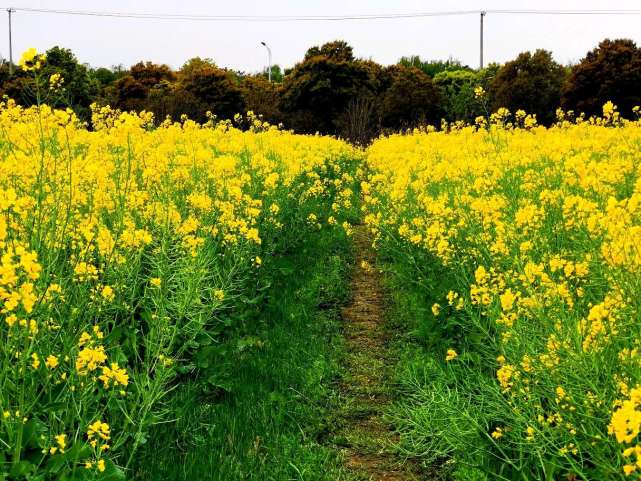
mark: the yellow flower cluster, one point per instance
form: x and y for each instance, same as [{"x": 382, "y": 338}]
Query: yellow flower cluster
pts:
[
  {"x": 120, "y": 242},
  {"x": 31, "y": 60},
  {"x": 539, "y": 230}
]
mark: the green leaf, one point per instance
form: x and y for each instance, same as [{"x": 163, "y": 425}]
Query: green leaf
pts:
[
  {"x": 247, "y": 342},
  {"x": 31, "y": 433},
  {"x": 21, "y": 468}
]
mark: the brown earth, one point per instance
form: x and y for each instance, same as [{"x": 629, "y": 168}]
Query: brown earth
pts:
[{"x": 366, "y": 440}]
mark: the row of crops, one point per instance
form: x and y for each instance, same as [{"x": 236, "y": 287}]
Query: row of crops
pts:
[
  {"x": 133, "y": 254},
  {"x": 128, "y": 256},
  {"x": 523, "y": 249}
]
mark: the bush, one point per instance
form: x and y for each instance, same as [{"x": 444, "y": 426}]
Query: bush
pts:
[{"x": 135, "y": 260}]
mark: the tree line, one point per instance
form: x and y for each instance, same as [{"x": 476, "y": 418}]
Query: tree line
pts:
[{"x": 330, "y": 91}]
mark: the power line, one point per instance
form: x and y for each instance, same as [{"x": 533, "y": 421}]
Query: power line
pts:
[
  {"x": 315, "y": 18},
  {"x": 245, "y": 18},
  {"x": 311, "y": 18},
  {"x": 566, "y": 12}
]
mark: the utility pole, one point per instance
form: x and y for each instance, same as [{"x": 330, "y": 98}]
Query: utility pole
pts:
[
  {"x": 483, "y": 12},
  {"x": 269, "y": 60},
  {"x": 10, "y": 11}
]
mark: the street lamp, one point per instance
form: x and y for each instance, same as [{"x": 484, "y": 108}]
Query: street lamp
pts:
[{"x": 269, "y": 60}]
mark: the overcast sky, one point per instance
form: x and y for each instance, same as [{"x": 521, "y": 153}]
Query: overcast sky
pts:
[{"x": 111, "y": 41}]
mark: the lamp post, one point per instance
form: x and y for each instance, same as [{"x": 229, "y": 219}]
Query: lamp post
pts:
[{"x": 269, "y": 60}]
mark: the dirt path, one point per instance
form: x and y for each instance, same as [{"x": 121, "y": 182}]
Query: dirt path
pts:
[{"x": 364, "y": 436}]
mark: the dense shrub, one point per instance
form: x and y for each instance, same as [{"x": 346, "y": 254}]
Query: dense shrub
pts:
[
  {"x": 515, "y": 257},
  {"x": 134, "y": 261}
]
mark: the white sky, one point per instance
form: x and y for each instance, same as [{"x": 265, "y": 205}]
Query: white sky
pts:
[{"x": 110, "y": 41}]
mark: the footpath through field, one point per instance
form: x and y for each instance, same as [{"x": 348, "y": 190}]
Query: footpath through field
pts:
[{"x": 366, "y": 440}]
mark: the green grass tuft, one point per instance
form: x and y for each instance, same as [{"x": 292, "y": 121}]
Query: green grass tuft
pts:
[{"x": 269, "y": 424}]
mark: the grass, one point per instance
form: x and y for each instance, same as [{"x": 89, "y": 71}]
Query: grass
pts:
[
  {"x": 521, "y": 355},
  {"x": 143, "y": 281},
  {"x": 268, "y": 423},
  {"x": 438, "y": 426}
]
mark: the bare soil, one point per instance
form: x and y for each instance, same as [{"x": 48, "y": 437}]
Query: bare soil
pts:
[{"x": 365, "y": 438}]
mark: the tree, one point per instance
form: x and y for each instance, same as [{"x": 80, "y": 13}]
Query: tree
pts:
[
  {"x": 457, "y": 93},
  {"x": 19, "y": 86},
  {"x": 130, "y": 91},
  {"x": 532, "y": 82},
  {"x": 262, "y": 97},
  {"x": 410, "y": 99},
  {"x": 169, "y": 100},
  {"x": 318, "y": 90},
  {"x": 148, "y": 74},
  {"x": 338, "y": 50},
  {"x": 105, "y": 76},
  {"x": 277, "y": 74},
  {"x": 194, "y": 65},
  {"x": 612, "y": 71},
  {"x": 432, "y": 67},
  {"x": 79, "y": 88},
  {"x": 216, "y": 88}
]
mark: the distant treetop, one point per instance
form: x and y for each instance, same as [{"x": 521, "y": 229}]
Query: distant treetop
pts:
[
  {"x": 336, "y": 50},
  {"x": 433, "y": 67}
]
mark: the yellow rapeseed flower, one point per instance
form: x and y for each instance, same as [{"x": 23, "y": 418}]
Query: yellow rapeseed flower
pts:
[{"x": 31, "y": 60}]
